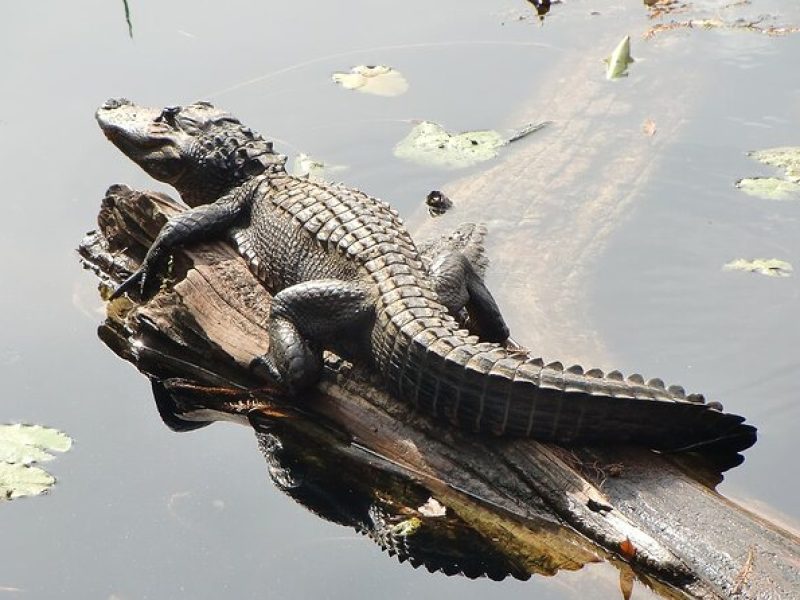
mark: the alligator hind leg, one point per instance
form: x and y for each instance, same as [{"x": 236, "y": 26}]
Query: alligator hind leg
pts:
[
  {"x": 459, "y": 287},
  {"x": 304, "y": 319}
]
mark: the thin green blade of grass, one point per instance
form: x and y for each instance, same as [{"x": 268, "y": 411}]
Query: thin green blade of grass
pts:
[{"x": 128, "y": 17}]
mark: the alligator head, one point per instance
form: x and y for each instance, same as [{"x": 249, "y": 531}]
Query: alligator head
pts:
[{"x": 200, "y": 150}]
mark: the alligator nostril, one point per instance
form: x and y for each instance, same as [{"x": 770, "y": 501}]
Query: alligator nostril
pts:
[{"x": 113, "y": 103}]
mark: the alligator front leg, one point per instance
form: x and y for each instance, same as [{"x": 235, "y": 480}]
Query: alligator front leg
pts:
[
  {"x": 204, "y": 222},
  {"x": 459, "y": 287},
  {"x": 304, "y": 319}
]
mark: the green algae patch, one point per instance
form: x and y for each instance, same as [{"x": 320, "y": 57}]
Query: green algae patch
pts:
[
  {"x": 770, "y": 188},
  {"x": 20, "y": 447},
  {"x": 775, "y": 188},
  {"x": 429, "y": 143},
  {"x": 617, "y": 63},
  {"x": 771, "y": 267},
  {"x": 379, "y": 80}
]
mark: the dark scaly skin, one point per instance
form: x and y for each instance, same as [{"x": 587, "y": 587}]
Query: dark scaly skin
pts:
[
  {"x": 205, "y": 153},
  {"x": 347, "y": 276}
]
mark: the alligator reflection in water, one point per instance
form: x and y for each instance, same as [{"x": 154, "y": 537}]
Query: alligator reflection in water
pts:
[{"x": 319, "y": 467}]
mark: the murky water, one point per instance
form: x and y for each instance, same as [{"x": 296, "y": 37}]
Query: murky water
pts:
[{"x": 141, "y": 512}]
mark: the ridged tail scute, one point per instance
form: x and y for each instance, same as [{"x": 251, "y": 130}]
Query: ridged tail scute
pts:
[{"x": 483, "y": 387}]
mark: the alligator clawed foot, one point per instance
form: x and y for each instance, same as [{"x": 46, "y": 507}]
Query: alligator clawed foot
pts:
[
  {"x": 142, "y": 280},
  {"x": 136, "y": 280}
]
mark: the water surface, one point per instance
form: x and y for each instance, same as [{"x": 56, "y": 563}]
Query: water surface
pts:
[{"x": 141, "y": 512}]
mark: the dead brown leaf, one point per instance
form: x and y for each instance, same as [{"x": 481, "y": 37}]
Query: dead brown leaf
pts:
[
  {"x": 627, "y": 549},
  {"x": 626, "y": 579}
]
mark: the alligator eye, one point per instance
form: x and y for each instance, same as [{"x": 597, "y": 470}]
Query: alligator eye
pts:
[{"x": 168, "y": 114}]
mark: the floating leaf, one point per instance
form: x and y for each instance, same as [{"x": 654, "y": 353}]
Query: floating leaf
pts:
[
  {"x": 305, "y": 165},
  {"x": 13, "y": 451},
  {"x": 20, "y": 480},
  {"x": 429, "y": 143},
  {"x": 786, "y": 158},
  {"x": 770, "y": 188},
  {"x": 649, "y": 127},
  {"x": 21, "y": 445},
  {"x": 617, "y": 63},
  {"x": 775, "y": 188},
  {"x": 17, "y": 441},
  {"x": 771, "y": 267},
  {"x": 627, "y": 549},
  {"x": 518, "y": 134},
  {"x": 379, "y": 80}
]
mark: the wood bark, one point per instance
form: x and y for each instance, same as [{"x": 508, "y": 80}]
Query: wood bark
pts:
[{"x": 544, "y": 507}]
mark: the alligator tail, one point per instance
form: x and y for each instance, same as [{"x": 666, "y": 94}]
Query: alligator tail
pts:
[{"x": 482, "y": 387}]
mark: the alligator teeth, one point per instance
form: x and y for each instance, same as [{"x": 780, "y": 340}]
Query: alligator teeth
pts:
[
  {"x": 636, "y": 378},
  {"x": 576, "y": 370},
  {"x": 596, "y": 373},
  {"x": 715, "y": 406},
  {"x": 677, "y": 391},
  {"x": 555, "y": 366},
  {"x": 616, "y": 375},
  {"x": 656, "y": 382},
  {"x": 538, "y": 362},
  {"x": 697, "y": 398}
]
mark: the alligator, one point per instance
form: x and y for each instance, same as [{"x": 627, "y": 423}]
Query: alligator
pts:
[{"x": 346, "y": 276}]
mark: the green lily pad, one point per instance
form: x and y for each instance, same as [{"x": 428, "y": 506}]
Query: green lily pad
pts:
[
  {"x": 617, "y": 63},
  {"x": 771, "y": 267},
  {"x": 379, "y": 80},
  {"x": 18, "y": 440},
  {"x": 770, "y": 188},
  {"x": 20, "y": 480},
  {"x": 307, "y": 166},
  {"x": 430, "y": 144},
  {"x": 786, "y": 158},
  {"x": 20, "y": 446}
]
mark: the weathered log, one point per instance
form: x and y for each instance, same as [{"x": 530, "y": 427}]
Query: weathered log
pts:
[{"x": 528, "y": 507}]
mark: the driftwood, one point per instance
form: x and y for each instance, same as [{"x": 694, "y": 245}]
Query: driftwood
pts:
[{"x": 519, "y": 506}]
